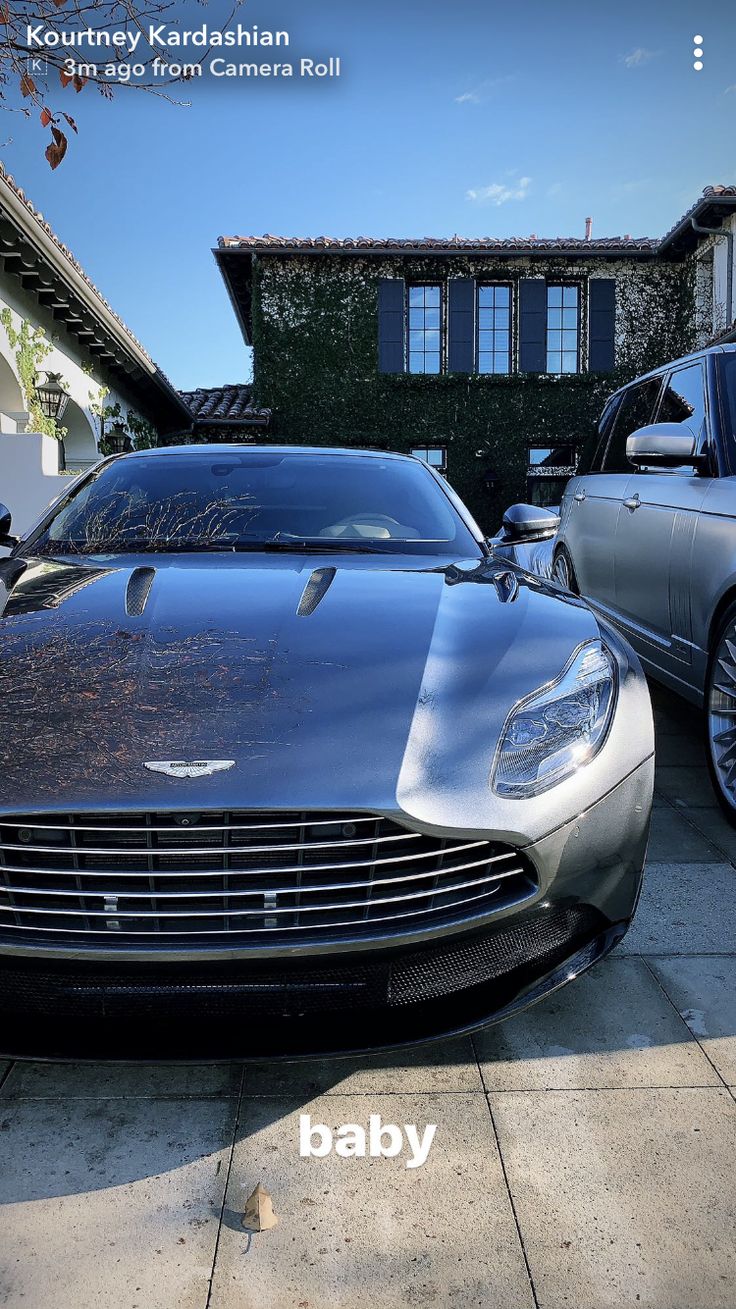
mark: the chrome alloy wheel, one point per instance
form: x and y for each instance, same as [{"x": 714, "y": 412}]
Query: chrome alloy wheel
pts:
[
  {"x": 561, "y": 571},
  {"x": 721, "y": 714}
]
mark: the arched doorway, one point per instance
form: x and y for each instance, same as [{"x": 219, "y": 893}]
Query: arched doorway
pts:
[
  {"x": 13, "y": 413},
  {"x": 80, "y": 446}
]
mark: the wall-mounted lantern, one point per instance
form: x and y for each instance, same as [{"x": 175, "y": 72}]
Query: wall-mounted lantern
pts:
[
  {"x": 52, "y": 397},
  {"x": 118, "y": 440}
]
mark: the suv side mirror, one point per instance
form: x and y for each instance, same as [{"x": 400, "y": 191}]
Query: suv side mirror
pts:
[
  {"x": 525, "y": 524},
  {"x": 6, "y": 522},
  {"x": 664, "y": 445}
]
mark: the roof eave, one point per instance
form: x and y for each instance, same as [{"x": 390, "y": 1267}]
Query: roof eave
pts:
[
  {"x": 43, "y": 247},
  {"x": 684, "y": 232},
  {"x": 241, "y": 311}
]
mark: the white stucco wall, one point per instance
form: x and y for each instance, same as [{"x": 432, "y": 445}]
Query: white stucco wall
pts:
[
  {"x": 724, "y": 312},
  {"x": 29, "y": 476},
  {"x": 66, "y": 359}
]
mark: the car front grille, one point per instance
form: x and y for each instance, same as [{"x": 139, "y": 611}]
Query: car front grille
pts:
[{"x": 172, "y": 879}]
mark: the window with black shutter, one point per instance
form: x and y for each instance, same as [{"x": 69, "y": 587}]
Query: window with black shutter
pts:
[
  {"x": 532, "y": 324},
  {"x": 601, "y": 325},
  {"x": 494, "y": 328},
  {"x": 425, "y": 328},
  {"x": 563, "y": 328},
  {"x": 391, "y": 325}
]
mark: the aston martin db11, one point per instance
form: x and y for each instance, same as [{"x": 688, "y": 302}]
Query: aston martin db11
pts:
[{"x": 295, "y": 761}]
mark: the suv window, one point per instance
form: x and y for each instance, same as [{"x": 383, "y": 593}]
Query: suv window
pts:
[
  {"x": 683, "y": 401},
  {"x": 635, "y": 410},
  {"x": 591, "y": 451}
]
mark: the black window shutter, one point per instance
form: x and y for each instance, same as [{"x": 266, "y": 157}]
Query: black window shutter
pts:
[
  {"x": 602, "y": 318},
  {"x": 391, "y": 325},
  {"x": 461, "y": 325},
  {"x": 532, "y": 325}
]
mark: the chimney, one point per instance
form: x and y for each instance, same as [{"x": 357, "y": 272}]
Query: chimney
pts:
[{"x": 588, "y": 228}]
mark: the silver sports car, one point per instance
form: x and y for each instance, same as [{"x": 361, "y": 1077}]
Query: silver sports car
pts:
[{"x": 294, "y": 761}]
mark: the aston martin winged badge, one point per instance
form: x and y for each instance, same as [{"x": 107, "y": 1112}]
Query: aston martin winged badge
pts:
[{"x": 189, "y": 767}]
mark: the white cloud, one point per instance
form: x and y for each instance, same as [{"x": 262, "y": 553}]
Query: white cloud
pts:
[
  {"x": 635, "y": 58},
  {"x": 730, "y": 89},
  {"x": 554, "y": 190},
  {"x": 478, "y": 95},
  {"x": 499, "y": 193}
]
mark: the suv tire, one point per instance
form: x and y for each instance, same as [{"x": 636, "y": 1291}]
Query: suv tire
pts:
[
  {"x": 719, "y": 714},
  {"x": 564, "y": 572}
]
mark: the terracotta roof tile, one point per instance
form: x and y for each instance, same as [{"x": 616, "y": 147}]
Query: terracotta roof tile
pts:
[
  {"x": 229, "y": 403},
  {"x": 480, "y": 245}
]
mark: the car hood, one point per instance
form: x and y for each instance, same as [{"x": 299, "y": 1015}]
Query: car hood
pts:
[{"x": 330, "y": 682}]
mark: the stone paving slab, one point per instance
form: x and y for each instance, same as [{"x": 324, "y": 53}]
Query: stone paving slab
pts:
[
  {"x": 624, "y": 1197},
  {"x": 704, "y": 992},
  {"x": 678, "y": 748},
  {"x": 672, "y": 714},
  {"x": 370, "y": 1231},
  {"x": 684, "y": 909},
  {"x": 111, "y": 1203},
  {"x": 443, "y": 1066},
  {"x": 686, "y": 788},
  {"x": 676, "y": 840},
  {"x": 93, "y": 1081},
  {"x": 716, "y": 828},
  {"x": 613, "y": 1027}
]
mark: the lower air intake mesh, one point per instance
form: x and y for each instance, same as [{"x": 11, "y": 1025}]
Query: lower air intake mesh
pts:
[{"x": 375, "y": 983}]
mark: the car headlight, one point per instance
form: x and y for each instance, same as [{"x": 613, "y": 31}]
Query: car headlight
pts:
[{"x": 553, "y": 732}]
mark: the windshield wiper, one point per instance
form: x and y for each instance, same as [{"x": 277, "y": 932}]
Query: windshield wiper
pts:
[{"x": 320, "y": 545}]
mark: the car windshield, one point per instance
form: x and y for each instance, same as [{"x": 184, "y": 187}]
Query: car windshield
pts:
[{"x": 254, "y": 500}]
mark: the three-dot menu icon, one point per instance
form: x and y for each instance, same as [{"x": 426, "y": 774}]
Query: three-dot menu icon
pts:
[{"x": 698, "y": 53}]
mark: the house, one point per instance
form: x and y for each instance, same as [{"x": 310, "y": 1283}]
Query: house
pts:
[{"x": 492, "y": 358}]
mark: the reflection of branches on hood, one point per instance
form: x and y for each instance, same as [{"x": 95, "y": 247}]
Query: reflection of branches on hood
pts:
[
  {"x": 170, "y": 691},
  {"x": 178, "y": 518}
]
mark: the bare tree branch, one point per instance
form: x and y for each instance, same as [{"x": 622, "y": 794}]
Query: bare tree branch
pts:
[{"x": 34, "y": 77}]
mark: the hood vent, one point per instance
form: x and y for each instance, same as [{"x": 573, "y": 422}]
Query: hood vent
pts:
[
  {"x": 315, "y": 590},
  {"x": 138, "y": 590}
]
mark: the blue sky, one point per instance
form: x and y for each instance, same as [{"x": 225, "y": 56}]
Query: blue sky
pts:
[{"x": 471, "y": 117}]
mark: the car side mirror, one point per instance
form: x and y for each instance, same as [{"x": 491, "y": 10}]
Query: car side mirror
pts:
[
  {"x": 6, "y": 522},
  {"x": 525, "y": 524},
  {"x": 663, "y": 445}
]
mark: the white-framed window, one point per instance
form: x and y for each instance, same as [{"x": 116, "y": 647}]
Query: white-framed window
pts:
[
  {"x": 425, "y": 328},
  {"x": 563, "y": 328},
  {"x": 493, "y": 332}
]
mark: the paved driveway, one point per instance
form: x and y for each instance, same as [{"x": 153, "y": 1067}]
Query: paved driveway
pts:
[{"x": 585, "y": 1153}]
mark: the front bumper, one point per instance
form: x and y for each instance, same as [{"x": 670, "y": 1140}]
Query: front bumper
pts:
[{"x": 348, "y": 1002}]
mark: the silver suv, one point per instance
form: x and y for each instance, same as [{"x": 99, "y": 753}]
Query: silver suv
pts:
[{"x": 648, "y": 536}]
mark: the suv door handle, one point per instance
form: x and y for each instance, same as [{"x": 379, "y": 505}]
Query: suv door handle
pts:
[
  {"x": 579, "y": 496},
  {"x": 633, "y": 503}
]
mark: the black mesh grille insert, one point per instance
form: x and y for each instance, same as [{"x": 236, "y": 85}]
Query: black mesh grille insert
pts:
[
  {"x": 302, "y": 1006},
  {"x": 547, "y": 937}
]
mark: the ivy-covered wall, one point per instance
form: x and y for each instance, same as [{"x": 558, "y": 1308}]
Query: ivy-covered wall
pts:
[{"x": 315, "y": 325}]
